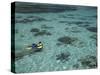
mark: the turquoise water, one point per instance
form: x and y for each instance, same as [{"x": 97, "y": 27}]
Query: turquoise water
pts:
[{"x": 69, "y": 39}]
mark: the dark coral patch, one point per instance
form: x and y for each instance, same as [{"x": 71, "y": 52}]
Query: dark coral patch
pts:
[
  {"x": 95, "y": 16},
  {"x": 85, "y": 25},
  {"x": 63, "y": 57},
  {"x": 79, "y": 44},
  {"x": 30, "y": 20},
  {"x": 46, "y": 27},
  {"x": 41, "y": 33},
  {"x": 30, "y": 16},
  {"x": 92, "y": 29},
  {"x": 58, "y": 44},
  {"x": 81, "y": 22},
  {"x": 66, "y": 40},
  {"x": 76, "y": 22},
  {"x": 94, "y": 36},
  {"x": 76, "y": 66},
  {"x": 34, "y": 30},
  {"x": 24, "y": 21},
  {"x": 89, "y": 61},
  {"x": 63, "y": 21},
  {"x": 68, "y": 16}
]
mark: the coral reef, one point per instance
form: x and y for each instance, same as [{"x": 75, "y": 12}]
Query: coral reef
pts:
[
  {"x": 66, "y": 40},
  {"x": 46, "y": 27},
  {"x": 79, "y": 44},
  {"x": 81, "y": 22},
  {"x": 94, "y": 16},
  {"x": 68, "y": 16},
  {"x": 41, "y": 33},
  {"x": 34, "y": 30},
  {"x": 63, "y": 57},
  {"x": 58, "y": 44},
  {"x": 62, "y": 16},
  {"x": 63, "y": 21},
  {"x": 31, "y": 16},
  {"x": 76, "y": 66},
  {"x": 92, "y": 29},
  {"x": 94, "y": 36},
  {"x": 78, "y": 22},
  {"x": 75, "y": 31},
  {"x": 89, "y": 61},
  {"x": 85, "y": 25},
  {"x": 23, "y": 21},
  {"x": 29, "y": 20}
]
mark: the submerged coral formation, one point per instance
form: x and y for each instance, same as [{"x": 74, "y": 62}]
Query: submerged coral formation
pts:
[
  {"x": 34, "y": 30},
  {"x": 30, "y": 20},
  {"x": 79, "y": 44},
  {"x": 89, "y": 61},
  {"x": 63, "y": 57},
  {"x": 67, "y": 40},
  {"x": 46, "y": 27},
  {"x": 92, "y": 29},
  {"x": 41, "y": 33},
  {"x": 94, "y": 36},
  {"x": 68, "y": 16},
  {"x": 24, "y": 21},
  {"x": 76, "y": 22},
  {"x": 76, "y": 66},
  {"x": 63, "y": 21},
  {"x": 58, "y": 44}
]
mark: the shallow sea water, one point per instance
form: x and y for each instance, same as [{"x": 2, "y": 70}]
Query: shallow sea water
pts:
[{"x": 79, "y": 29}]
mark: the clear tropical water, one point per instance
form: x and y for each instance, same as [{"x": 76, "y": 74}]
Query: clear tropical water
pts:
[{"x": 69, "y": 39}]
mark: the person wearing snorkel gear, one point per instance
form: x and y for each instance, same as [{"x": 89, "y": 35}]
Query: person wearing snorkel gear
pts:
[
  {"x": 36, "y": 47},
  {"x": 40, "y": 45}
]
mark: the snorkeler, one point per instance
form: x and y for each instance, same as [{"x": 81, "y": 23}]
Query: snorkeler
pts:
[
  {"x": 39, "y": 45},
  {"x": 35, "y": 47}
]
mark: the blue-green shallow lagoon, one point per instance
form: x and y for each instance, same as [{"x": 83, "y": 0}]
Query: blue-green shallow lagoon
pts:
[{"x": 69, "y": 38}]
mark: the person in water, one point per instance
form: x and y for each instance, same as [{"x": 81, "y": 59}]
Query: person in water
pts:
[
  {"x": 40, "y": 45},
  {"x": 35, "y": 47}
]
